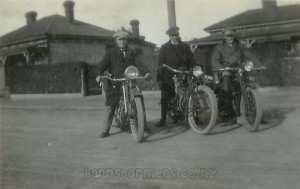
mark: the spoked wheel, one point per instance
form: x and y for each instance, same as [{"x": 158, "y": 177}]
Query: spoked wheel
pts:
[
  {"x": 203, "y": 111},
  {"x": 137, "y": 119},
  {"x": 251, "y": 109}
]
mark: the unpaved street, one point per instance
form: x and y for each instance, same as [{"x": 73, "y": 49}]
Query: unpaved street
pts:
[{"x": 53, "y": 143}]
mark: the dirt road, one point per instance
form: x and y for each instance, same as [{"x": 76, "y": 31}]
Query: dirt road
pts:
[{"x": 53, "y": 143}]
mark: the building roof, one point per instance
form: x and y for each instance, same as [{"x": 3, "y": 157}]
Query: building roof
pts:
[
  {"x": 278, "y": 32},
  {"x": 282, "y": 22},
  {"x": 259, "y": 16},
  {"x": 53, "y": 25},
  {"x": 59, "y": 25}
]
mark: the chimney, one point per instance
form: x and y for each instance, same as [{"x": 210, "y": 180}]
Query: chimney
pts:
[
  {"x": 30, "y": 17},
  {"x": 69, "y": 10},
  {"x": 171, "y": 13},
  {"x": 269, "y": 4},
  {"x": 135, "y": 28}
]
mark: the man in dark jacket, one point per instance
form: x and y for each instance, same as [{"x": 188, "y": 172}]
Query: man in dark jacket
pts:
[
  {"x": 229, "y": 53},
  {"x": 175, "y": 54},
  {"x": 115, "y": 61}
]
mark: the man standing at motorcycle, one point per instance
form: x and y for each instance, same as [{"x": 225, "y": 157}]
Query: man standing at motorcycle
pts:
[
  {"x": 175, "y": 54},
  {"x": 115, "y": 61},
  {"x": 229, "y": 53}
]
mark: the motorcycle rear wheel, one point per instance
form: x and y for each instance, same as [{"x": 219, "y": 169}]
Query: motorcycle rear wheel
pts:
[
  {"x": 251, "y": 112},
  {"x": 137, "y": 121},
  {"x": 202, "y": 119}
]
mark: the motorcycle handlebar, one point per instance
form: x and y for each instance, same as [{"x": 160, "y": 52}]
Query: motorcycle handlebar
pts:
[
  {"x": 228, "y": 69},
  {"x": 120, "y": 79},
  {"x": 172, "y": 69},
  {"x": 237, "y": 69},
  {"x": 112, "y": 79},
  {"x": 261, "y": 68}
]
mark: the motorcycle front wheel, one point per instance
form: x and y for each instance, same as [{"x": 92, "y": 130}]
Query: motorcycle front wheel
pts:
[
  {"x": 251, "y": 109},
  {"x": 137, "y": 120},
  {"x": 203, "y": 110}
]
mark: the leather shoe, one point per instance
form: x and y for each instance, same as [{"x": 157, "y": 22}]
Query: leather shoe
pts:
[
  {"x": 147, "y": 130},
  {"x": 126, "y": 129},
  {"x": 161, "y": 123},
  {"x": 174, "y": 121},
  {"x": 239, "y": 121},
  {"x": 103, "y": 135}
]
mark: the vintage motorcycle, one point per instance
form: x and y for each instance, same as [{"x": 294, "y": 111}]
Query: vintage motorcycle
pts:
[
  {"x": 193, "y": 100},
  {"x": 246, "y": 100},
  {"x": 130, "y": 109}
]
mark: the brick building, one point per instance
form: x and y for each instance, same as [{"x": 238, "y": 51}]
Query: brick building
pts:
[
  {"x": 59, "y": 39},
  {"x": 272, "y": 33}
]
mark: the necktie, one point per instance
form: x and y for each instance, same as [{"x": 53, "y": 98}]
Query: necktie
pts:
[{"x": 123, "y": 51}]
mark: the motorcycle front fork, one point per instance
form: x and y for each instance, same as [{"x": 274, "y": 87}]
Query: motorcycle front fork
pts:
[
  {"x": 123, "y": 108},
  {"x": 243, "y": 93}
]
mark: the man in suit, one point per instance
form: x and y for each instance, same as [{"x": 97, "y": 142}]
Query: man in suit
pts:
[
  {"x": 175, "y": 54},
  {"x": 115, "y": 61},
  {"x": 229, "y": 53}
]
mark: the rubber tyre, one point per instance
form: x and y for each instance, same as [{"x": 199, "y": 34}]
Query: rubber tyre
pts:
[
  {"x": 214, "y": 112},
  {"x": 137, "y": 129},
  {"x": 258, "y": 114}
]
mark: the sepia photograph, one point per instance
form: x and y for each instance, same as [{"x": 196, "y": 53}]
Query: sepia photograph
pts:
[{"x": 154, "y": 94}]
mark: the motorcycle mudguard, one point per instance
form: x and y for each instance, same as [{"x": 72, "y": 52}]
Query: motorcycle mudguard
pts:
[
  {"x": 136, "y": 93},
  {"x": 198, "y": 88},
  {"x": 252, "y": 85}
]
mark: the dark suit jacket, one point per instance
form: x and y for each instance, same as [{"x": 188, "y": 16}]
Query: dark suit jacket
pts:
[
  {"x": 115, "y": 63},
  {"x": 226, "y": 56},
  {"x": 175, "y": 56}
]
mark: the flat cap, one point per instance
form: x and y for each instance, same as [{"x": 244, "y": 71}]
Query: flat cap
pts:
[
  {"x": 120, "y": 34},
  {"x": 173, "y": 30},
  {"x": 230, "y": 32}
]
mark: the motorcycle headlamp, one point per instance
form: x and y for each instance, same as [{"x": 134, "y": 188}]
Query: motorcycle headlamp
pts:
[
  {"x": 248, "y": 66},
  {"x": 131, "y": 72},
  {"x": 197, "y": 71}
]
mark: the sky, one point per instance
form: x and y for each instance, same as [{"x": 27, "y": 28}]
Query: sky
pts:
[{"x": 192, "y": 16}]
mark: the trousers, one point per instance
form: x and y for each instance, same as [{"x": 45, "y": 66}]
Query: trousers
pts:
[
  {"x": 167, "y": 93},
  {"x": 109, "y": 115},
  {"x": 226, "y": 86}
]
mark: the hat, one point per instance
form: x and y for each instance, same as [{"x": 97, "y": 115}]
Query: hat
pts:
[
  {"x": 229, "y": 32},
  {"x": 120, "y": 34},
  {"x": 173, "y": 30}
]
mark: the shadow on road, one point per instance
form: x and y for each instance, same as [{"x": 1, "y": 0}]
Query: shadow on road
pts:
[
  {"x": 273, "y": 117},
  {"x": 162, "y": 133},
  {"x": 115, "y": 133},
  {"x": 223, "y": 128}
]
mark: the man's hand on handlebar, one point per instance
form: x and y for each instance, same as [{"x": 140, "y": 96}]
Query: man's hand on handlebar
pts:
[
  {"x": 98, "y": 78},
  {"x": 148, "y": 76},
  {"x": 107, "y": 74},
  {"x": 225, "y": 73}
]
